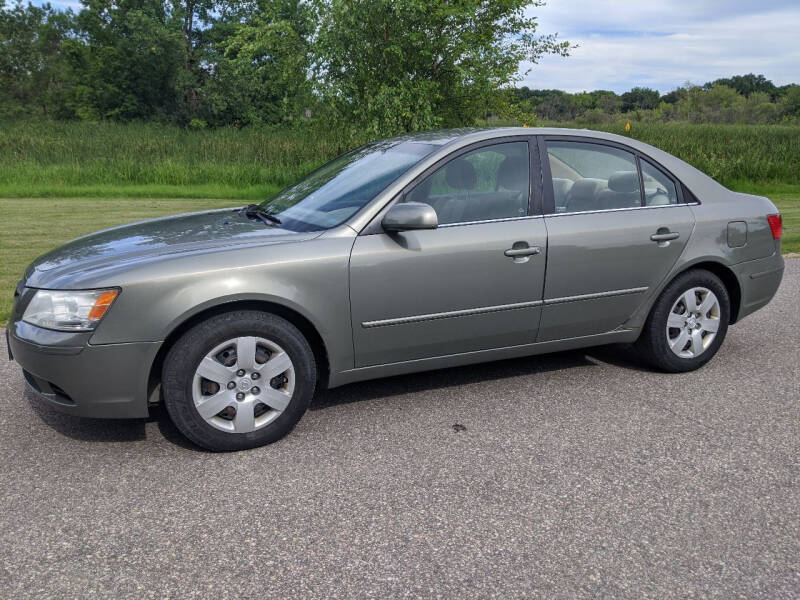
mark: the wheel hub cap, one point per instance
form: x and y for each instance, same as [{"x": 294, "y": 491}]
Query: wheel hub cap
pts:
[
  {"x": 237, "y": 404},
  {"x": 693, "y": 322}
]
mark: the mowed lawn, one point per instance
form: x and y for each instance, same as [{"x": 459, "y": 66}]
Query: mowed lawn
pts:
[{"x": 31, "y": 226}]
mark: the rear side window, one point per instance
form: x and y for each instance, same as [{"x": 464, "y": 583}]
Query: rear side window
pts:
[
  {"x": 659, "y": 190},
  {"x": 589, "y": 177},
  {"x": 486, "y": 184}
]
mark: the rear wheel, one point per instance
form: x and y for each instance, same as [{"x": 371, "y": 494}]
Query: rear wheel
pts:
[
  {"x": 238, "y": 380},
  {"x": 687, "y": 324}
]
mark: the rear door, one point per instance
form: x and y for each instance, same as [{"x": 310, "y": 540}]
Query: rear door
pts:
[
  {"x": 616, "y": 225},
  {"x": 475, "y": 282}
]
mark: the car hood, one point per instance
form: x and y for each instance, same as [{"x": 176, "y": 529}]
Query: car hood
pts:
[{"x": 156, "y": 237}]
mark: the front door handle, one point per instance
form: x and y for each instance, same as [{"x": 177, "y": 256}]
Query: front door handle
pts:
[
  {"x": 520, "y": 252},
  {"x": 665, "y": 237},
  {"x": 515, "y": 252}
]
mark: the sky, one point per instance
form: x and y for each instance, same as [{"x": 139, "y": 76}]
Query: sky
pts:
[
  {"x": 660, "y": 44},
  {"x": 663, "y": 44}
]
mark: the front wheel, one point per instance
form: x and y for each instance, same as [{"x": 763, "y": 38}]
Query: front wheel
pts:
[
  {"x": 238, "y": 380},
  {"x": 687, "y": 324}
]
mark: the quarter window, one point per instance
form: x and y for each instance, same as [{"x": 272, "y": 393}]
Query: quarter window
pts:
[
  {"x": 486, "y": 184},
  {"x": 659, "y": 189},
  {"x": 589, "y": 177}
]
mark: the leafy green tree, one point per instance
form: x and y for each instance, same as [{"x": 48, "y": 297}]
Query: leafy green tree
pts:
[
  {"x": 192, "y": 17},
  {"x": 790, "y": 101},
  {"x": 393, "y": 66},
  {"x": 262, "y": 66},
  {"x": 126, "y": 62},
  {"x": 640, "y": 98},
  {"x": 31, "y": 59},
  {"x": 746, "y": 84}
]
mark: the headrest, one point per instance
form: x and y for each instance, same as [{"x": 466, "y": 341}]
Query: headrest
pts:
[
  {"x": 561, "y": 186},
  {"x": 513, "y": 174},
  {"x": 586, "y": 189},
  {"x": 460, "y": 175},
  {"x": 624, "y": 181}
]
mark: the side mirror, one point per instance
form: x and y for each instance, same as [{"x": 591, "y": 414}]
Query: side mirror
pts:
[{"x": 407, "y": 216}]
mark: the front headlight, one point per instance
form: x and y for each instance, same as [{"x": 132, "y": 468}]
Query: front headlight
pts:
[{"x": 66, "y": 310}]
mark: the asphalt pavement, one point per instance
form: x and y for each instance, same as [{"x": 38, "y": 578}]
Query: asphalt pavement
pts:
[{"x": 579, "y": 474}]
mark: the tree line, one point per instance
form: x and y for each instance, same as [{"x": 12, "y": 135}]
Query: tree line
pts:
[
  {"x": 747, "y": 99},
  {"x": 382, "y": 65},
  {"x": 373, "y": 66}
]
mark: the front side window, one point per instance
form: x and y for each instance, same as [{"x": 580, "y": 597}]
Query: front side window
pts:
[
  {"x": 588, "y": 177},
  {"x": 659, "y": 190},
  {"x": 489, "y": 183},
  {"x": 336, "y": 191}
]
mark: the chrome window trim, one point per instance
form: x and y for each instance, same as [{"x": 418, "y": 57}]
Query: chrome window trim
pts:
[
  {"x": 503, "y": 220},
  {"x": 608, "y": 210},
  {"x": 468, "y": 312}
]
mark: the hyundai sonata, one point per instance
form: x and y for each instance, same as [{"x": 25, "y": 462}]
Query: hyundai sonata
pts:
[{"x": 414, "y": 253}]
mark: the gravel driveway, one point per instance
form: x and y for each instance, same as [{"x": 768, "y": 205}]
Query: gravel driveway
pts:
[{"x": 578, "y": 474}]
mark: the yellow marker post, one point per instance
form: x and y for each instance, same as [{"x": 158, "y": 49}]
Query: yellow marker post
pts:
[{"x": 628, "y": 127}]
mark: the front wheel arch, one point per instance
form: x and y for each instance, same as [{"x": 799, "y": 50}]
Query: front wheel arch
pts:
[{"x": 295, "y": 318}]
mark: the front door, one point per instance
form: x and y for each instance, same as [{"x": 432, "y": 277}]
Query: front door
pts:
[
  {"x": 474, "y": 283},
  {"x": 614, "y": 233}
]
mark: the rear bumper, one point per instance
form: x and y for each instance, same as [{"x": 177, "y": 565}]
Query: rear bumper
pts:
[
  {"x": 105, "y": 381},
  {"x": 759, "y": 281}
]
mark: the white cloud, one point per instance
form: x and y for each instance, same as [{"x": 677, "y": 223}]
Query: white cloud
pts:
[{"x": 663, "y": 44}]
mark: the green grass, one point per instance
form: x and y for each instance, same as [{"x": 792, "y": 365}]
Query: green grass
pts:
[
  {"x": 32, "y": 226},
  {"x": 72, "y": 159},
  {"x": 79, "y": 159}
]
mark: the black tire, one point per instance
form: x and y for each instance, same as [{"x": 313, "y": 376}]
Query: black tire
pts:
[
  {"x": 653, "y": 344},
  {"x": 185, "y": 355}
]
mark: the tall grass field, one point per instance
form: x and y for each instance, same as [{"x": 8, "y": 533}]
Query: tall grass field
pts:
[
  {"x": 59, "y": 180},
  {"x": 72, "y": 159}
]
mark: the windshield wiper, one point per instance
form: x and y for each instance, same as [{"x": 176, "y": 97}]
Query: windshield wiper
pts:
[{"x": 259, "y": 212}]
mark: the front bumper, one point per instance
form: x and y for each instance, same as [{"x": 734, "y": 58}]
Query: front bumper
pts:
[{"x": 75, "y": 377}]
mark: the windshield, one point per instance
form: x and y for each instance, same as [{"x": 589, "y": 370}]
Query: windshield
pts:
[{"x": 336, "y": 191}]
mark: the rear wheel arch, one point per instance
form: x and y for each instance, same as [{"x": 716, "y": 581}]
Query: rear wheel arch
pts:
[
  {"x": 305, "y": 326},
  {"x": 726, "y": 275}
]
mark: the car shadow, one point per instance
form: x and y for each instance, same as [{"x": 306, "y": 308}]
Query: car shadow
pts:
[
  {"x": 107, "y": 430},
  {"x": 135, "y": 430},
  {"x": 618, "y": 355}
]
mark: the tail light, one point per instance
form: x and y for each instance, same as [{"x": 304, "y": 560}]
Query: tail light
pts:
[{"x": 776, "y": 225}]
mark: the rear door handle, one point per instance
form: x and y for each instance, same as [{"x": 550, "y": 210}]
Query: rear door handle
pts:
[{"x": 665, "y": 237}]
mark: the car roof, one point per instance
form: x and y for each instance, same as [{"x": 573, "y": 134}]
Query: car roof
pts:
[{"x": 445, "y": 136}]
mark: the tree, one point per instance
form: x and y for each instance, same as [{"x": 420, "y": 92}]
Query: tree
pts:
[
  {"x": 126, "y": 62},
  {"x": 746, "y": 84},
  {"x": 640, "y": 98},
  {"x": 790, "y": 101},
  {"x": 394, "y": 66},
  {"x": 31, "y": 59},
  {"x": 192, "y": 17},
  {"x": 262, "y": 65}
]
